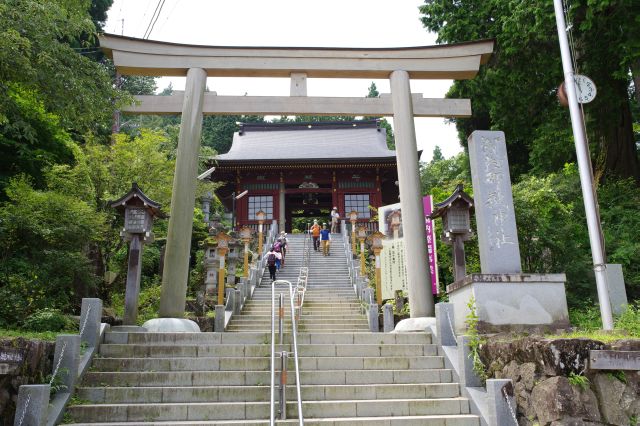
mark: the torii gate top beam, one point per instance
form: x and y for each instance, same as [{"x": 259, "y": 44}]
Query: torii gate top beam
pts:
[{"x": 133, "y": 56}]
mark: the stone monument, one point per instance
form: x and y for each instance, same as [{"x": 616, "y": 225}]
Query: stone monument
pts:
[{"x": 505, "y": 298}]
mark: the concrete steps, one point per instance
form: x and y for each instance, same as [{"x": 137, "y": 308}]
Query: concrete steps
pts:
[
  {"x": 348, "y": 375},
  {"x": 435, "y": 420},
  {"x": 260, "y": 410}
]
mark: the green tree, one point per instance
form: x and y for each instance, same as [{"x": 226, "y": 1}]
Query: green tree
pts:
[
  {"x": 391, "y": 142},
  {"x": 50, "y": 92},
  {"x": 441, "y": 175},
  {"x": 36, "y": 52},
  {"x": 439, "y": 178},
  {"x": 30, "y": 138},
  {"x": 42, "y": 257},
  {"x": 553, "y": 236},
  {"x": 516, "y": 90}
]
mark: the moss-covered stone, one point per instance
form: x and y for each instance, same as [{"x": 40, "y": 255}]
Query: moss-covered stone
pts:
[{"x": 22, "y": 362}]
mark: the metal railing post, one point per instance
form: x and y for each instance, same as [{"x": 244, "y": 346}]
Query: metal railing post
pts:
[
  {"x": 284, "y": 359},
  {"x": 281, "y": 318}
]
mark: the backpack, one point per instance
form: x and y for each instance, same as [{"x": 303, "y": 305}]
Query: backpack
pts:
[
  {"x": 271, "y": 260},
  {"x": 277, "y": 247}
]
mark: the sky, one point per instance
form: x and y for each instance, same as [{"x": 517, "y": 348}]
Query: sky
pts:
[{"x": 297, "y": 23}]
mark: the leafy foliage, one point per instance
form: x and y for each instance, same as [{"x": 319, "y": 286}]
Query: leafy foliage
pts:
[
  {"x": 148, "y": 302},
  {"x": 516, "y": 91},
  {"x": 30, "y": 138},
  {"x": 629, "y": 320},
  {"x": 391, "y": 142},
  {"x": 586, "y": 318},
  {"x": 579, "y": 381},
  {"x": 551, "y": 225},
  {"x": 42, "y": 258},
  {"x": 46, "y": 320},
  {"x": 36, "y": 52},
  {"x": 51, "y": 91},
  {"x": 475, "y": 341}
]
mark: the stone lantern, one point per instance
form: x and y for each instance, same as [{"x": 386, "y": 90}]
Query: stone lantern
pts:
[
  {"x": 245, "y": 236},
  {"x": 260, "y": 217},
  {"x": 139, "y": 212},
  {"x": 210, "y": 264},
  {"x": 376, "y": 244},
  {"x": 353, "y": 217},
  {"x": 455, "y": 212},
  {"x": 206, "y": 207},
  {"x": 223, "y": 248},
  {"x": 362, "y": 235}
]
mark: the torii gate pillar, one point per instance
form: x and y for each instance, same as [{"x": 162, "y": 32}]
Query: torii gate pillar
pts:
[
  {"x": 183, "y": 198},
  {"x": 415, "y": 240}
]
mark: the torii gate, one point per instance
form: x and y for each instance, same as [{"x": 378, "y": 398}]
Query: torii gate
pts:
[{"x": 133, "y": 56}]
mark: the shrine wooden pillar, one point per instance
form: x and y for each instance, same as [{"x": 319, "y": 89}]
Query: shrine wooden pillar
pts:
[
  {"x": 281, "y": 205},
  {"x": 376, "y": 199},
  {"x": 335, "y": 200}
]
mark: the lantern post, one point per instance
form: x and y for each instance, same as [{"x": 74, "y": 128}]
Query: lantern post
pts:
[
  {"x": 353, "y": 217},
  {"x": 362, "y": 235},
  {"x": 139, "y": 212},
  {"x": 376, "y": 243},
  {"x": 245, "y": 236},
  {"x": 223, "y": 248},
  {"x": 260, "y": 215},
  {"x": 455, "y": 212}
]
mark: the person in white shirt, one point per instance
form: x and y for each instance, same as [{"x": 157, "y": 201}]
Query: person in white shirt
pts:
[
  {"x": 272, "y": 257},
  {"x": 335, "y": 217}
]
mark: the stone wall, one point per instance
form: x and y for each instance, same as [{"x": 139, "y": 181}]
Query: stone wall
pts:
[
  {"x": 22, "y": 362},
  {"x": 540, "y": 370}
]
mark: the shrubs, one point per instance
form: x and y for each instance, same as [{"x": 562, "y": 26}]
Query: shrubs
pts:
[
  {"x": 629, "y": 320},
  {"x": 587, "y": 318},
  {"x": 148, "y": 301},
  {"x": 47, "y": 320}
]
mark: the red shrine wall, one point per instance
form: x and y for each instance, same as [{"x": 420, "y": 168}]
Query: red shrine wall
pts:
[{"x": 346, "y": 189}]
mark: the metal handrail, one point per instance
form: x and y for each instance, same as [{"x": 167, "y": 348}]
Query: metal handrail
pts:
[
  {"x": 303, "y": 276},
  {"x": 284, "y": 354}
]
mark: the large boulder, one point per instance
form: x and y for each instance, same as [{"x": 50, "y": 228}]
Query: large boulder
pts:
[
  {"x": 524, "y": 378},
  {"x": 619, "y": 399},
  {"x": 555, "y": 399}
]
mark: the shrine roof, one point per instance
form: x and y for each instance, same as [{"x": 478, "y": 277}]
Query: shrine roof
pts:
[{"x": 308, "y": 142}]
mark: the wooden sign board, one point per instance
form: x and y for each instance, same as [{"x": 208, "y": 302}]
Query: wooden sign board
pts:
[{"x": 614, "y": 360}]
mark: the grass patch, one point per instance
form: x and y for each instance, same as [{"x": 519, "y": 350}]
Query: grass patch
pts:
[
  {"x": 600, "y": 335},
  {"x": 49, "y": 336},
  {"x": 586, "y": 320}
]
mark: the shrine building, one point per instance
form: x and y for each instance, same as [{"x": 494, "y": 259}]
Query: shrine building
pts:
[{"x": 298, "y": 171}]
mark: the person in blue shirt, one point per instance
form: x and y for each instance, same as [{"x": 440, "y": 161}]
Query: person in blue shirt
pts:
[{"x": 325, "y": 239}]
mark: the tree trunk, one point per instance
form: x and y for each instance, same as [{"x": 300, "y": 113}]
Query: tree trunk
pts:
[
  {"x": 635, "y": 72},
  {"x": 613, "y": 130}
]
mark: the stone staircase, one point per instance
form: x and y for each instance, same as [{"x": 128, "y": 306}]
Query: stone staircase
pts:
[
  {"x": 330, "y": 304},
  {"x": 349, "y": 376}
]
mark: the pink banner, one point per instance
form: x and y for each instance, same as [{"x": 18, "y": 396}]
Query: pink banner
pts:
[{"x": 427, "y": 202}]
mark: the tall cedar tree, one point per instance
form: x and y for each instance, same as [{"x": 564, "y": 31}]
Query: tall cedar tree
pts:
[{"x": 516, "y": 91}]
